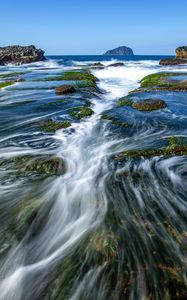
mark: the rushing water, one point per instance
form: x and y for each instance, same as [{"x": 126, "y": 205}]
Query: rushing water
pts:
[{"x": 103, "y": 230}]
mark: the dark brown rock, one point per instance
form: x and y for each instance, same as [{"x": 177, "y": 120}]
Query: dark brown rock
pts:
[
  {"x": 149, "y": 104},
  {"x": 120, "y": 64},
  {"x": 173, "y": 61},
  {"x": 20, "y": 55},
  {"x": 180, "y": 59},
  {"x": 181, "y": 52},
  {"x": 65, "y": 89}
]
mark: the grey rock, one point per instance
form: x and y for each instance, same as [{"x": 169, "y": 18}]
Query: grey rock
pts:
[
  {"x": 123, "y": 50},
  {"x": 20, "y": 55}
]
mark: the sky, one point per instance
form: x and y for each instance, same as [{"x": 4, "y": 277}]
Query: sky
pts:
[{"x": 70, "y": 27}]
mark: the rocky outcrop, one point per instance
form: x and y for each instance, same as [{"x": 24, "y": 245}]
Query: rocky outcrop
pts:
[
  {"x": 120, "y": 51},
  {"x": 181, "y": 52},
  {"x": 117, "y": 65},
  {"x": 20, "y": 55},
  {"x": 65, "y": 89},
  {"x": 179, "y": 59}
]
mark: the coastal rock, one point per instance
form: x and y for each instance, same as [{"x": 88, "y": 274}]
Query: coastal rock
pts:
[
  {"x": 123, "y": 50},
  {"x": 181, "y": 52},
  {"x": 20, "y": 55},
  {"x": 180, "y": 59},
  {"x": 120, "y": 64},
  {"x": 149, "y": 104},
  {"x": 65, "y": 89}
]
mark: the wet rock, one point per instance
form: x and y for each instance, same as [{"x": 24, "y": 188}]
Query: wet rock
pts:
[
  {"x": 181, "y": 57},
  {"x": 125, "y": 101},
  {"x": 149, "y": 104},
  {"x": 168, "y": 151},
  {"x": 47, "y": 165},
  {"x": 78, "y": 75},
  {"x": 20, "y": 55},
  {"x": 98, "y": 65},
  {"x": 106, "y": 244},
  {"x": 81, "y": 112},
  {"x": 52, "y": 126},
  {"x": 162, "y": 82},
  {"x": 65, "y": 89},
  {"x": 117, "y": 65},
  {"x": 173, "y": 61},
  {"x": 5, "y": 84}
]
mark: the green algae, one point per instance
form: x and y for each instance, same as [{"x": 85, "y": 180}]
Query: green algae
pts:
[
  {"x": 155, "y": 79},
  {"x": 52, "y": 126},
  {"x": 71, "y": 76},
  {"x": 148, "y": 153},
  {"x": 125, "y": 101},
  {"x": 47, "y": 165},
  {"x": 81, "y": 112},
  {"x": 11, "y": 74},
  {"x": 6, "y": 83}
]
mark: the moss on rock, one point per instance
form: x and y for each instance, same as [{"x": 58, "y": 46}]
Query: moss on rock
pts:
[
  {"x": 75, "y": 75},
  {"x": 81, "y": 112},
  {"x": 6, "y": 83},
  {"x": 125, "y": 101},
  {"x": 52, "y": 126},
  {"x": 149, "y": 104},
  {"x": 47, "y": 165},
  {"x": 167, "y": 151}
]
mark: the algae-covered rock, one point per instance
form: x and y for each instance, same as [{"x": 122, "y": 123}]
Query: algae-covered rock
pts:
[
  {"x": 6, "y": 83},
  {"x": 81, "y": 112},
  {"x": 149, "y": 104},
  {"x": 64, "y": 89},
  {"x": 125, "y": 101},
  {"x": 47, "y": 165},
  {"x": 52, "y": 126},
  {"x": 79, "y": 75},
  {"x": 106, "y": 244},
  {"x": 167, "y": 152}
]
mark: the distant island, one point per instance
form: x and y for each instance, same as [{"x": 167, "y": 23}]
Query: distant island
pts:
[{"x": 123, "y": 50}]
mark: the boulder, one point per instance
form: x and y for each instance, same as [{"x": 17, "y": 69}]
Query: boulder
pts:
[
  {"x": 65, "y": 89},
  {"x": 180, "y": 59},
  {"x": 181, "y": 52},
  {"x": 20, "y": 55},
  {"x": 120, "y": 64},
  {"x": 149, "y": 104}
]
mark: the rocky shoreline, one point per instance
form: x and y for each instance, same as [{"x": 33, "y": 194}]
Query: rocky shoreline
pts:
[
  {"x": 179, "y": 59},
  {"x": 20, "y": 55}
]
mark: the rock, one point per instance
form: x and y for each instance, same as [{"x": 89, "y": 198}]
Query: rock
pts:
[
  {"x": 20, "y": 55},
  {"x": 120, "y": 64},
  {"x": 181, "y": 52},
  {"x": 52, "y": 126},
  {"x": 172, "y": 61},
  {"x": 123, "y": 50},
  {"x": 98, "y": 64},
  {"x": 149, "y": 104},
  {"x": 181, "y": 57},
  {"x": 65, "y": 89},
  {"x": 81, "y": 112}
]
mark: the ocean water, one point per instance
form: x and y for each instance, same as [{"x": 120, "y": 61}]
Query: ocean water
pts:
[{"x": 102, "y": 229}]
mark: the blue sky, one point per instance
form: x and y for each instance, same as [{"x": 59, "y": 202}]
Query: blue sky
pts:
[{"x": 92, "y": 27}]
